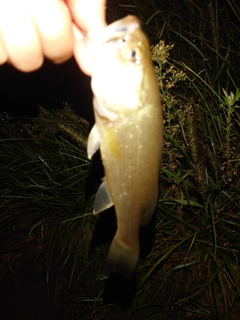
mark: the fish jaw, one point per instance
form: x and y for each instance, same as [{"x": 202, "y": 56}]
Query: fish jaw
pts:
[{"x": 114, "y": 31}]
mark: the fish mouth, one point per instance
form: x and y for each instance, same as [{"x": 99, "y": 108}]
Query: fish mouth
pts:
[
  {"x": 115, "y": 30},
  {"x": 116, "y": 36}
]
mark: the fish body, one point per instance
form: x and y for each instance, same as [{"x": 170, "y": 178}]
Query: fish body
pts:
[{"x": 129, "y": 132}]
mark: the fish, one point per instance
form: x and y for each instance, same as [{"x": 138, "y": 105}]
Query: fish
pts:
[{"x": 128, "y": 130}]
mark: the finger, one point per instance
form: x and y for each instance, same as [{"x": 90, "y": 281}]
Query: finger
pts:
[
  {"x": 88, "y": 14},
  {"x": 81, "y": 53},
  {"x": 54, "y": 25},
  {"x": 19, "y": 36}
]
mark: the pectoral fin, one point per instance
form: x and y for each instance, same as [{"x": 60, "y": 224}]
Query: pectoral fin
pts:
[
  {"x": 102, "y": 200},
  {"x": 148, "y": 213},
  {"x": 93, "y": 142}
]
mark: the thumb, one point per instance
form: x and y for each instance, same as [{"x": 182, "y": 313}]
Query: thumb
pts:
[{"x": 88, "y": 15}]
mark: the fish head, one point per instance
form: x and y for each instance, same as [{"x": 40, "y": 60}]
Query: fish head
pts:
[{"x": 122, "y": 56}]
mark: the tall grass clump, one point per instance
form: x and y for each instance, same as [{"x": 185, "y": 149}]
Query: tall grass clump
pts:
[
  {"x": 195, "y": 261},
  {"x": 44, "y": 210}
]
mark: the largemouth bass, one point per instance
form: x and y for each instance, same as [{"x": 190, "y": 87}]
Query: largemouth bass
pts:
[{"x": 129, "y": 132}]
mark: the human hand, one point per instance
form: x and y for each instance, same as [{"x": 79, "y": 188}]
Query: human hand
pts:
[{"x": 32, "y": 29}]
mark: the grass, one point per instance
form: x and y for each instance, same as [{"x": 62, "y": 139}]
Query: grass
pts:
[
  {"x": 193, "y": 270},
  {"x": 43, "y": 174}
]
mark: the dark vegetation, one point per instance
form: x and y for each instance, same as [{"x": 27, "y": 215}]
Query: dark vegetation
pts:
[{"x": 47, "y": 187}]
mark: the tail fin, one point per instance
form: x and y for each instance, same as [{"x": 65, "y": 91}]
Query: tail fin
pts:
[{"x": 122, "y": 258}]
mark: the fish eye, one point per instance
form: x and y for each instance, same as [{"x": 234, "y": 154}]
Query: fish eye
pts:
[{"x": 135, "y": 54}]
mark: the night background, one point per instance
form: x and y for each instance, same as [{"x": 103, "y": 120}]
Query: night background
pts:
[
  {"x": 52, "y": 250},
  {"x": 50, "y": 86}
]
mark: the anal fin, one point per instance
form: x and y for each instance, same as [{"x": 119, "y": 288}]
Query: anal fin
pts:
[{"x": 103, "y": 199}]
